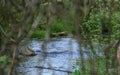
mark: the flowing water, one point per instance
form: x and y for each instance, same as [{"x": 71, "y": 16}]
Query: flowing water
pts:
[{"x": 56, "y": 57}]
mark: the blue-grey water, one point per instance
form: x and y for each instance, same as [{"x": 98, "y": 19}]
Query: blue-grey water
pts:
[{"x": 56, "y": 57}]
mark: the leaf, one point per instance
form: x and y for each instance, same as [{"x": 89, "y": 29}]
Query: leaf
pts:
[{"x": 3, "y": 59}]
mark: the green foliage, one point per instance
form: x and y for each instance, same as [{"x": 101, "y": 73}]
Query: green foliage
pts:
[
  {"x": 103, "y": 13},
  {"x": 58, "y": 26},
  {"x": 77, "y": 72},
  {"x": 99, "y": 65},
  {"x": 38, "y": 34},
  {"x": 116, "y": 24},
  {"x": 93, "y": 28},
  {"x": 4, "y": 59}
]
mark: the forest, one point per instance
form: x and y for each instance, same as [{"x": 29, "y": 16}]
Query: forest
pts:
[{"x": 89, "y": 21}]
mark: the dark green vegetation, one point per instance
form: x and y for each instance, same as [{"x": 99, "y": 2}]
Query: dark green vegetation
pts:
[{"x": 97, "y": 21}]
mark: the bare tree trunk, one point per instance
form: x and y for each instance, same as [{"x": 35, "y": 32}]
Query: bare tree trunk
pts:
[
  {"x": 118, "y": 55},
  {"x": 14, "y": 48},
  {"x": 80, "y": 45}
]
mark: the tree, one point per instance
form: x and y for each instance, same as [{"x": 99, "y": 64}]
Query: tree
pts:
[{"x": 90, "y": 20}]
